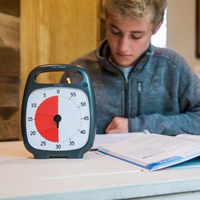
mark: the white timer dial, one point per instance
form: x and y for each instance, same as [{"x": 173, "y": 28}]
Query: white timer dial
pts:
[{"x": 58, "y": 118}]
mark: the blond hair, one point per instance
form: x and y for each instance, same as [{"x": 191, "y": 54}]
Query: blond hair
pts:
[{"x": 136, "y": 9}]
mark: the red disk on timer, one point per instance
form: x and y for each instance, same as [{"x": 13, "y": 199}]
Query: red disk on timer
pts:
[{"x": 44, "y": 119}]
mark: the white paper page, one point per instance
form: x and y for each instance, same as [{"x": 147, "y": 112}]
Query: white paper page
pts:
[
  {"x": 188, "y": 136},
  {"x": 105, "y": 139},
  {"x": 153, "y": 150}
]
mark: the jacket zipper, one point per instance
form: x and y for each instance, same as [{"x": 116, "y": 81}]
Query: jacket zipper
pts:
[
  {"x": 126, "y": 88},
  {"x": 139, "y": 90},
  {"x": 126, "y": 98}
]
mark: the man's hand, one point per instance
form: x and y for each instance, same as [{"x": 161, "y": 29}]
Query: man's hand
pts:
[{"x": 118, "y": 125}]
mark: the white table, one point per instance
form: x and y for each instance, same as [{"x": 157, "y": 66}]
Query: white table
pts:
[{"x": 94, "y": 177}]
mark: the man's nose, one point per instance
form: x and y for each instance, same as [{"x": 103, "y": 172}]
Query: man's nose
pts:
[{"x": 123, "y": 44}]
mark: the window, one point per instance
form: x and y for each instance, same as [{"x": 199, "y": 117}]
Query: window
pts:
[{"x": 160, "y": 38}]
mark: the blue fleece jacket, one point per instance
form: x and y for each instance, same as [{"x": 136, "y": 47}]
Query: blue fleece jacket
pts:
[{"x": 161, "y": 93}]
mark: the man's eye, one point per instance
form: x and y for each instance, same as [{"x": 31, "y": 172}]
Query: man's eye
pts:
[
  {"x": 136, "y": 38},
  {"x": 115, "y": 33}
]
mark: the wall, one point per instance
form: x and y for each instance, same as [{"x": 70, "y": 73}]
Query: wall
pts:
[
  {"x": 55, "y": 31},
  {"x": 181, "y": 21}
]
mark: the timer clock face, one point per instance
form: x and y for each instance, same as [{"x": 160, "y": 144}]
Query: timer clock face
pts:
[{"x": 57, "y": 119}]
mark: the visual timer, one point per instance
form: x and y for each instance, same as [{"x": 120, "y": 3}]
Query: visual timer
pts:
[{"x": 58, "y": 120}]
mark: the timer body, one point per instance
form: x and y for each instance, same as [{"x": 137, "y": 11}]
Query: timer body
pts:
[{"x": 58, "y": 120}]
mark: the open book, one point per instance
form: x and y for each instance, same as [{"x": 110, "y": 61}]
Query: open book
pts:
[
  {"x": 105, "y": 139},
  {"x": 154, "y": 151}
]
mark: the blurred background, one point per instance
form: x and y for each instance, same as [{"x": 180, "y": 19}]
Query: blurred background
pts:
[{"x": 36, "y": 32}]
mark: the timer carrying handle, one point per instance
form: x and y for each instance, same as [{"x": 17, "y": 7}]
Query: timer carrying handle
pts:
[{"x": 53, "y": 68}]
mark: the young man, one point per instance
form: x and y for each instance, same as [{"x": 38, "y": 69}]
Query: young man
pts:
[{"x": 138, "y": 86}]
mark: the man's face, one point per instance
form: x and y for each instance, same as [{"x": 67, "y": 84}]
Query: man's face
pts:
[{"x": 128, "y": 39}]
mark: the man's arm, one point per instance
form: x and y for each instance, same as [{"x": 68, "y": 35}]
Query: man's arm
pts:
[{"x": 157, "y": 123}]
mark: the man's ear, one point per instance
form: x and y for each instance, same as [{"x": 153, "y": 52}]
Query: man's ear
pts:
[{"x": 158, "y": 27}]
